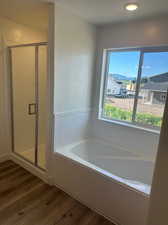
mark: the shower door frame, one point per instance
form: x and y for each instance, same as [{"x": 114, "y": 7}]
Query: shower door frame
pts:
[{"x": 36, "y": 69}]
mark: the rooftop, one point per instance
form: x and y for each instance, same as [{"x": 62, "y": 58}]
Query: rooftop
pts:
[{"x": 157, "y": 83}]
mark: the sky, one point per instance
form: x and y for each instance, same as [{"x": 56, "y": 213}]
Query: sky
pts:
[{"x": 126, "y": 63}]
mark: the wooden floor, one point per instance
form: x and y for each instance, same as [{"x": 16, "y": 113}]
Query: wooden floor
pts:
[{"x": 26, "y": 200}]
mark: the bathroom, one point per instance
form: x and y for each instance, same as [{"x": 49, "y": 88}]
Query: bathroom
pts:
[{"x": 59, "y": 124}]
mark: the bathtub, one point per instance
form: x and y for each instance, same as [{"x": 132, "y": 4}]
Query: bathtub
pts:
[{"x": 98, "y": 173}]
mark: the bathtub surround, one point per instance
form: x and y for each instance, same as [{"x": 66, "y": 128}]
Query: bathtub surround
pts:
[
  {"x": 74, "y": 57},
  {"x": 73, "y": 127}
]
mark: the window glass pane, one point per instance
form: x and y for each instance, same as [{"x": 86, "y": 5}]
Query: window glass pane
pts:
[
  {"x": 153, "y": 88},
  {"x": 120, "y": 85}
]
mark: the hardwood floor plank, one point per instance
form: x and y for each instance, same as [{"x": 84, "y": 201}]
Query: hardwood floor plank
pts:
[
  {"x": 6, "y": 174},
  {"x": 90, "y": 218},
  {"x": 73, "y": 216},
  {"x": 26, "y": 200},
  {"x": 14, "y": 182},
  {"x": 17, "y": 207},
  {"x": 56, "y": 213},
  {"x": 24, "y": 208},
  {"x": 6, "y": 163},
  {"x": 18, "y": 193},
  {"x": 52, "y": 207},
  {"x": 8, "y": 168},
  {"x": 34, "y": 212}
]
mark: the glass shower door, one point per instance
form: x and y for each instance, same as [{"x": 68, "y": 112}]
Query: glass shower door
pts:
[{"x": 23, "y": 83}]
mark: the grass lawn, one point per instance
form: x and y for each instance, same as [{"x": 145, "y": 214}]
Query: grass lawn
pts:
[{"x": 120, "y": 114}]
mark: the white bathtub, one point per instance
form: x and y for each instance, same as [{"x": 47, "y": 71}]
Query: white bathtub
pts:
[
  {"x": 95, "y": 166},
  {"x": 121, "y": 165}
]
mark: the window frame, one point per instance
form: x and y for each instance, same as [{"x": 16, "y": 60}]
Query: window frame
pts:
[{"x": 103, "y": 85}]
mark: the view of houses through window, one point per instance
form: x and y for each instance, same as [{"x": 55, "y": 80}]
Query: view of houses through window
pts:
[{"x": 136, "y": 84}]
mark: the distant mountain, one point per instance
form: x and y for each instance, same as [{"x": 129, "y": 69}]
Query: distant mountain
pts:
[{"x": 121, "y": 77}]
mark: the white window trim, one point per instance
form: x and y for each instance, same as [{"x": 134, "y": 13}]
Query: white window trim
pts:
[{"x": 132, "y": 124}]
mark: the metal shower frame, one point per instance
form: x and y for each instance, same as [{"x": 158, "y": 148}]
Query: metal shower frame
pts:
[{"x": 36, "y": 45}]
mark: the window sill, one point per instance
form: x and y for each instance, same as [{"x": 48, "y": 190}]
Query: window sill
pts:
[{"x": 125, "y": 124}]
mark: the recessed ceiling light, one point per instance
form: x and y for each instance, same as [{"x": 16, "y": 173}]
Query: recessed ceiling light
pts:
[{"x": 131, "y": 6}]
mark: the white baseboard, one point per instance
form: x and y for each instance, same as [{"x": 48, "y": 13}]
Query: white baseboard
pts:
[
  {"x": 31, "y": 168},
  {"x": 4, "y": 158}
]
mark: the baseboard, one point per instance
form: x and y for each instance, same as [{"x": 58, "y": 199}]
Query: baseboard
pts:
[
  {"x": 4, "y": 158},
  {"x": 31, "y": 168},
  {"x": 51, "y": 181}
]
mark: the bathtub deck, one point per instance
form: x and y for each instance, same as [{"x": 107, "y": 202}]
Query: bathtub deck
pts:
[{"x": 26, "y": 200}]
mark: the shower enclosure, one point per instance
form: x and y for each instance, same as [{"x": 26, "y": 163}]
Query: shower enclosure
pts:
[{"x": 28, "y": 66}]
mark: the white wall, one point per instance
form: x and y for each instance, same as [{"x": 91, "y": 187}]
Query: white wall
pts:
[
  {"x": 158, "y": 200},
  {"x": 129, "y": 34},
  {"x": 74, "y": 57},
  {"x": 13, "y": 34}
]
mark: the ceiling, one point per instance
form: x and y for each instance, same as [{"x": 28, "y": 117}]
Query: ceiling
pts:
[
  {"x": 34, "y": 13},
  {"x": 28, "y": 12},
  {"x": 112, "y": 11}
]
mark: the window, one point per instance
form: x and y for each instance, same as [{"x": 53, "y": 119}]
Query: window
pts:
[
  {"x": 163, "y": 97},
  {"x": 134, "y": 84}
]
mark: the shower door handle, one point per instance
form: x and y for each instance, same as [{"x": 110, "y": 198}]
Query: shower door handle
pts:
[{"x": 32, "y": 109}]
